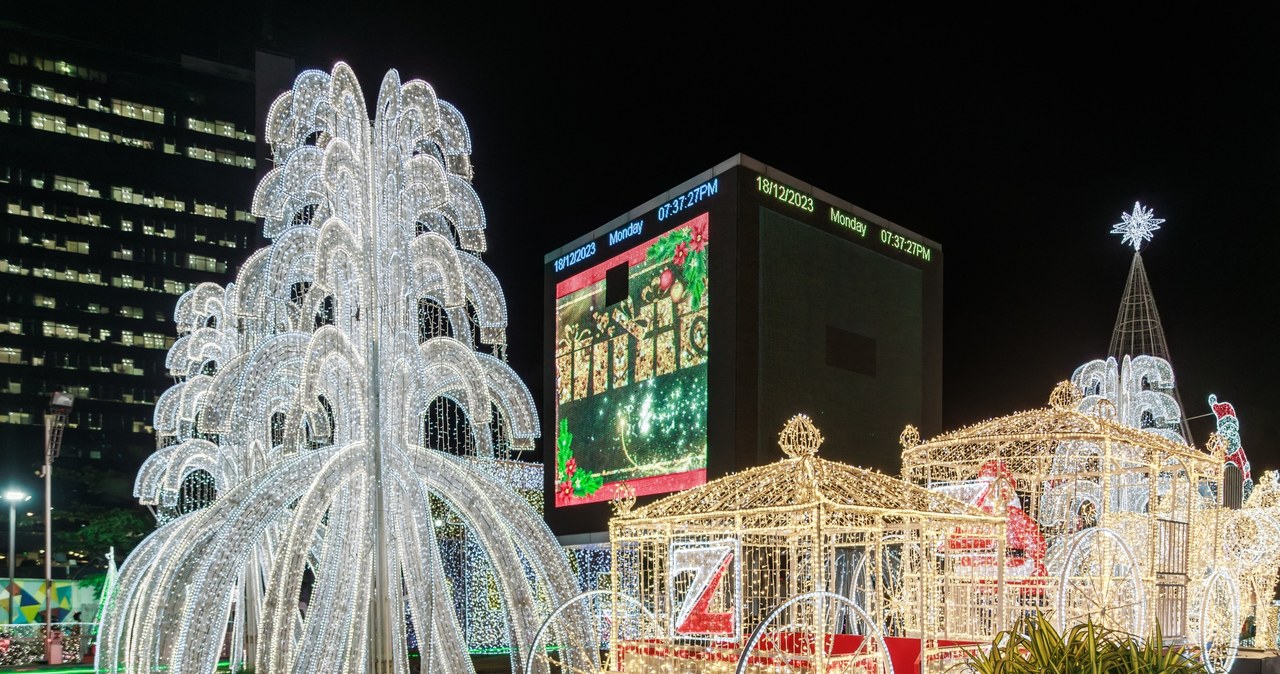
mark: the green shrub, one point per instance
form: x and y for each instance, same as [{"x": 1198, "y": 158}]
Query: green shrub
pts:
[{"x": 1034, "y": 645}]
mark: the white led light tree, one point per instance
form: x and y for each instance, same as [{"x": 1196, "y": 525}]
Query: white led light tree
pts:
[{"x": 304, "y": 397}]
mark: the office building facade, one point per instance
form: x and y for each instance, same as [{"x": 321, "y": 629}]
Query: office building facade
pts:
[{"x": 125, "y": 180}]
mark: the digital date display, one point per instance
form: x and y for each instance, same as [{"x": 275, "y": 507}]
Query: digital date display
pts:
[{"x": 787, "y": 195}]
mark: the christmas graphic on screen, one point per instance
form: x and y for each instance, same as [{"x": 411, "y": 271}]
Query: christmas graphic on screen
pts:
[{"x": 631, "y": 370}]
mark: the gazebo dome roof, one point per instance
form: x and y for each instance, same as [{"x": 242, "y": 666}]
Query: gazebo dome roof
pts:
[
  {"x": 1037, "y": 433},
  {"x": 801, "y": 480}
]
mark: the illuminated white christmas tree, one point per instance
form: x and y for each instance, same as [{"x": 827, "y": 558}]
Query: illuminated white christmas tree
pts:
[
  {"x": 1137, "y": 377},
  {"x": 332, "y": 397}
]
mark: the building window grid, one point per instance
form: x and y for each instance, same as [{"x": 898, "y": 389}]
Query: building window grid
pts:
[
  {"x": 126, "y": 194},
  {"x": 219, "y": 127},
  {"x": 140, "y": 111},
  {"x": 58, "y": 124}
]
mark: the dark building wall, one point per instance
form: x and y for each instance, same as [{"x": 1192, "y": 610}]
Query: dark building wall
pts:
[{"x": 125, "y": 180}]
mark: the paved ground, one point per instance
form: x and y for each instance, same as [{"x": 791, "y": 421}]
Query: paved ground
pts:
[{"x": 484, "y": 664}]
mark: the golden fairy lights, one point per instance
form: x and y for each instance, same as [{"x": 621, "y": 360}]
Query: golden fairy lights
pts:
[
  {"x": 810, "y": 565},
  {"x": 1130, "y": 519},
  {"x": 717, "y": 566}
]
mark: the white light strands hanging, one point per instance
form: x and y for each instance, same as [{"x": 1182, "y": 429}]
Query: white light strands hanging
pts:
[
  {"x": 1137, "y": 226},
  {"x": 304, "y": 397},
  {"x": 1138, "y": 388}
]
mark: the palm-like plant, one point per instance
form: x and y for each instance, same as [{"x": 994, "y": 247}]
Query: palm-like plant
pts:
[{"x": 1034, "y": 645}]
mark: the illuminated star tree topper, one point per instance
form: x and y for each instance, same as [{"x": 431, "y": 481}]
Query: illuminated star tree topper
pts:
[{"x": 1137, "y": 226}]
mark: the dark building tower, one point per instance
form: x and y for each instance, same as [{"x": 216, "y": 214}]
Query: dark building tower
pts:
[
  {"x": 683, "y": 333},
  {"x": 124, "y": 181}
]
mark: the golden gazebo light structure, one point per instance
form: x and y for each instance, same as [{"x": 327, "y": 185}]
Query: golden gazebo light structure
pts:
[
  {"x": 803, "y": 565},
  {"x": 1107, "y": 522},
  {"x": 1252, "y": 542}
]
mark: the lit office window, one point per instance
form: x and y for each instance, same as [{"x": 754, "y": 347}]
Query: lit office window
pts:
[
  {"x": 130, "y": 141},
  {"x": 10, "y": 355},
  {"x": 122, "y": 254},
  {"x": 61, "y": 330},
  {"x": 219, "y": 127},
  {"x": 146, "y": 113},
  {"x": 75, "y": 186},
  {"x": 44, "y": 122},
  {"x": 126, "y": 366},
  {"x": 209, "y": 210},
  {"x": 45, "y": 301},
  {"x": 4, "y": 84},
  {"x": 11, "y": 327},
  {"x": 62, "y": 68},
  {"x": 92, "y": 133},
  {"x": 47, "y": 93},
  {"x": 202, "y": 263}
]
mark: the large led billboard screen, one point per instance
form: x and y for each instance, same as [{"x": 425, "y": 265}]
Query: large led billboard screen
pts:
[
  {"x": 631, "y": 348},
  {"x": 681, "y": 335}
]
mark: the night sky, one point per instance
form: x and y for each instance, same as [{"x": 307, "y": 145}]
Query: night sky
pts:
[{"x": 1016, "y": 143}]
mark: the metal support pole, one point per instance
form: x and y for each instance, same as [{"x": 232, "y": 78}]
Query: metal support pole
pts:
[
  {"x": 12, "y": 534},
  {"x": 48, "y": 560}
]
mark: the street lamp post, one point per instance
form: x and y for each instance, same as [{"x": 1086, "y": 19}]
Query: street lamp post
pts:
[
  {"x": 14, "y": 497},
  {"x": 54, "y": 423}
]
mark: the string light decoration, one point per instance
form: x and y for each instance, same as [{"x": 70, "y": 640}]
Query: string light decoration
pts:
[
  {"x": 332, "y": 393},
  {"x": 1130, "y": 519},
  {"x": 1229, "y": 431},
  {"x": 1138, "y": 388},
  {"x": 1252, "y": 539},
  {"x": 739, "y": 573},
  {"x": 1137, "y": 226}
]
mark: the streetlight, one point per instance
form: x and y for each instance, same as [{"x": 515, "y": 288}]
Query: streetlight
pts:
[
  {"x": 54, "y": 423},
  {"x": 14, "y": 497}
]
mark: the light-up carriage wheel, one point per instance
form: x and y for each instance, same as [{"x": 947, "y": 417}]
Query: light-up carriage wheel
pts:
[
  {"x": 1100, "y": 582},
  {"x": 815, "y": 632},
  {"x": 555, "y": 648},
  {"x": 1216, "y": 622}
]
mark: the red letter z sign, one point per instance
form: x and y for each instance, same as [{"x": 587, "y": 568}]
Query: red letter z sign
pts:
[{"x": 713, "y": 565}]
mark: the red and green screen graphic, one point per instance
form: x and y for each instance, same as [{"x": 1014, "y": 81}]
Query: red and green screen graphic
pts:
[{"x": 631, "y": 371}]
